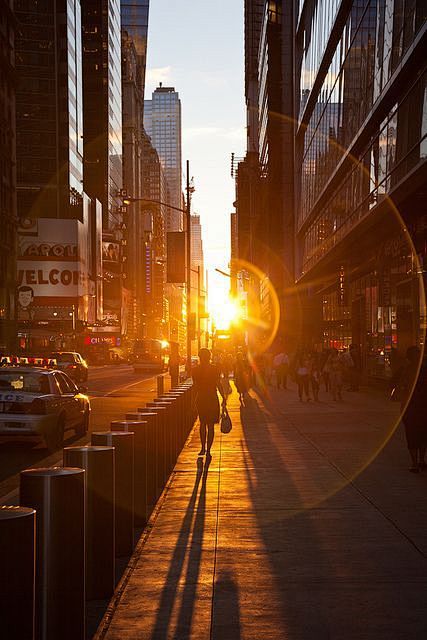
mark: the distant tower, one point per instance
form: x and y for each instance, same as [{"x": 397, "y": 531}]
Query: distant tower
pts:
[
  {"x": 134, "y": 18},
  {"x": 162, "y": 122}
]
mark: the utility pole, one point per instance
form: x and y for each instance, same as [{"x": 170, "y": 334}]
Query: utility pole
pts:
[{"x": 188, "y": 238}]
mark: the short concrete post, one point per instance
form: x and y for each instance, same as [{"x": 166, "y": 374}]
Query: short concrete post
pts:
[
  {"x": 123, "y": 443},
  {"x": 17, "y": 573},
  {"x": 98, "y": 462},
  {"x": 58, "y": 496}
]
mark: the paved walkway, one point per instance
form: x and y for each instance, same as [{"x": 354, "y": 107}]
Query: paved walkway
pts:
[{"x": 290, "y": 533}]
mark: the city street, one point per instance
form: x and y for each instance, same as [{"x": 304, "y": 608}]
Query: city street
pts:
[
  {"x": 113, "y": 391},
  {"x": 305, "y": 525},
  {"x": 233, "y": 194}
]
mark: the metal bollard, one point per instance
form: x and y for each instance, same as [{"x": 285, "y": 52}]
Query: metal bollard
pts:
[
  {"x": 123, "y": 443},
  {"x": 155, "y": 464},
  {"x": 17, "y": 575},
  {"x": 58, "y": 496},
  {"x": 164, "y": 415},
  {"x": 160, "y": 385},
  {"x": 162, "y": 451},
  {"x": 179, "y": 397},
  {"x": 139, "y": 429},
  {"x": 177, "y": 430},
  {"x": 98, "y": 462},
  {"x": 171, "y": 422}
]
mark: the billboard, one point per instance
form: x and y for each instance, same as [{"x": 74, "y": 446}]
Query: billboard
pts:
[
  {"x": 110, "y": 251},
  {"x": 175, "y": 256},
  {"x": 51, "y": 263}
]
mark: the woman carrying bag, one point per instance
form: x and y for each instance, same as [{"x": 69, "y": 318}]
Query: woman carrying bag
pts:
[{"x": 207, "y": 382}]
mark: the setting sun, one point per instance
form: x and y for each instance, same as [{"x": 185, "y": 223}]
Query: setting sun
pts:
[{"x": 224, "y": 310}]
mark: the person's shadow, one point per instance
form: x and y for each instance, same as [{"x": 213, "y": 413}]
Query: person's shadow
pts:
[{"x": 192, "y": 527}]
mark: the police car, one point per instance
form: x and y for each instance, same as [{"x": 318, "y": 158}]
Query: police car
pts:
[{"x": 36, "y": 401}]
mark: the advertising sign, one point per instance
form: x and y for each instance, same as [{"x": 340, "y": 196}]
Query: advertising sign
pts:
[
  {"x": 110, "y": 251},
  {"x": 51, "y": 262},
  {"x": 57, "y": 279},
  {"x": 111, "y": 341},
  {"x": 175, "y": 256}
]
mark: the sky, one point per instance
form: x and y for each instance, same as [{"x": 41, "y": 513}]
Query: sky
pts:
[{"x": 197, "y": 47}]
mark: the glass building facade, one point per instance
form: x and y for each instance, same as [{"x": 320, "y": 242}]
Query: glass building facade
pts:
[
  {"x": 361, "y": 148},
  {"x": 49, "y": 110},
  {"x": 134, "y": 18},
  {"x": 162, "y": 122},
  {"x": 7, "y": 179},
  {"x": 102, "y": 87}
]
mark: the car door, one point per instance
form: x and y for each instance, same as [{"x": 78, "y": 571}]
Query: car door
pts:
[
  {"x": 78, "y": 404},
  {"x": 67, "y": 402}
]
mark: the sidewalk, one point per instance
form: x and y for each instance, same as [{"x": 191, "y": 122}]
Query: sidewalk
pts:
[{"x": 284, "y": 535}]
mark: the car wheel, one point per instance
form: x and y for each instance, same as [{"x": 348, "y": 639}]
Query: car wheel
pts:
[{"x": 84, "y": 425}]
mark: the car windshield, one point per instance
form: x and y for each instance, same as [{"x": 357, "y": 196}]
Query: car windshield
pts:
[
  {"x": 24, "y": 381},
  {"x": 64, "y": 357}
]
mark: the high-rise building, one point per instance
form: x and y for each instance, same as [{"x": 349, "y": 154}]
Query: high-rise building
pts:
[
  {"x": 265, "y": 177},
  {"x": 7, "y": 178},
  {"x": 49, "y": 109},
  {"x": 56, "y": 262},
  {"x": 162, "y": 122},
  {"x": 102, "y": 92},
  {"x": 133, "y": 251},
  {"x": 276, "y": 127},
  {"x": 103, "y": 148},
  {"x": 134, "y": 19},
  {"x": 361, "y": 175},
  {"x": 254, "y": 11},
  {"x": 155, "y": 188}
]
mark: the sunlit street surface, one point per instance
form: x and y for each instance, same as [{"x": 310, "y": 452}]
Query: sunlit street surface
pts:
[{"x": 285, "y": 534}]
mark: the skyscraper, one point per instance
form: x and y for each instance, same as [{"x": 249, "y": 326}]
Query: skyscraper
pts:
[
  {"x": 102, "y": 90},
  {"x": 155, "y": 188},
  {"x": 7, "y": 178},
  {"x": 49, "y": 109},
  {"x": 56, "y": 256},
  {"x": 361, "y": 175},
  {"x": 162, "y": 122},
  {"x": 265, "y": 177},
  {"x": 134, "y": 18},
  {"x": 103, "y": 145}
]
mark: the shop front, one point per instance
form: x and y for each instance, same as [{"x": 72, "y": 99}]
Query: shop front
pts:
[{"x": 381, "y": 310}]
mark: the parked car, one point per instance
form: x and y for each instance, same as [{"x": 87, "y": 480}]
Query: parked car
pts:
[
  {"x": 41, "y": 402},
  {"x": 73, "y": 364}
]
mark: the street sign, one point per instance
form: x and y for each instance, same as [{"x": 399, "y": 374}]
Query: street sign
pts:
[{"x": 175, "y": 257}]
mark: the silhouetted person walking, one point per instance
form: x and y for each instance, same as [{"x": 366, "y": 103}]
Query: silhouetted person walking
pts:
[
  {"x": 413, "y": 387},
  {"x": 207, "y": 382}
]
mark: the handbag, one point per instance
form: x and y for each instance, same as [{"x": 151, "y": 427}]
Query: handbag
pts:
[{"x": 225, "y": 421}]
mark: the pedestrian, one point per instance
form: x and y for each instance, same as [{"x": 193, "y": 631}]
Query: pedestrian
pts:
[
  {"x": 281, "y": 368},
  {"x": 335, "y": 366},
  {"x": 324, "y": 369},
  {"x": 241, "y": 377},
  {"x": 224, "y": 366},
  {"x": 268, "y": 367},
  {"x": 303, "y": 372},
  {"x": 315, "y": 376},
  {"x": 413, "y": 385},
  {"x": 354, "y": 367},
  {"x": 206, "y": 381}
]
